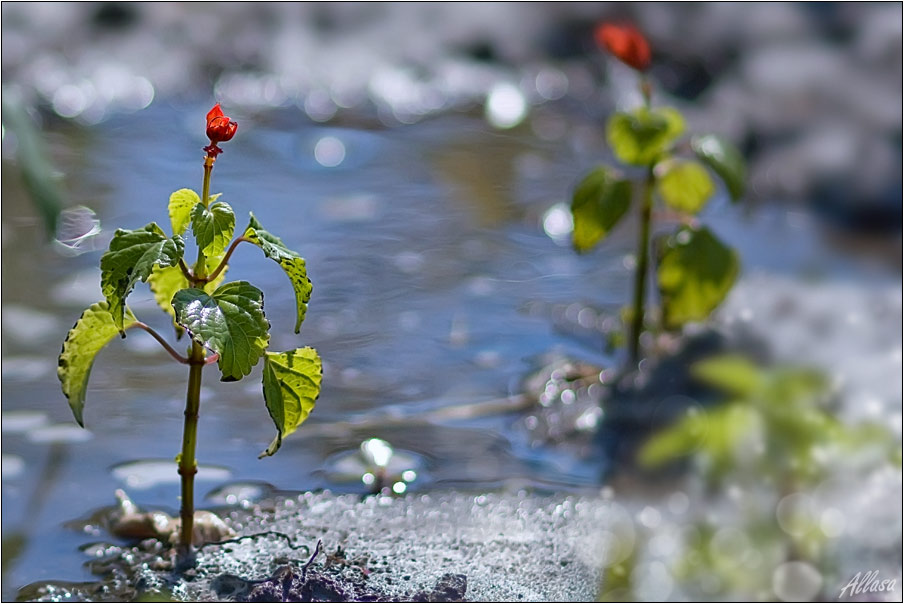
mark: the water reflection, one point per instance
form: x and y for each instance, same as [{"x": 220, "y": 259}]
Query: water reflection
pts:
[
  {"x": 16, "y": 540},
  {"x": 377, "y": 465},
  {"x": 78, "y": 230},
  {"x": 506, "y": 106},
  {"x": 329, "y": 152},
  {"x": 150, "y": 473}
]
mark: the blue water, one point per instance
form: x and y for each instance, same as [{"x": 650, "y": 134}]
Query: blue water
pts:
[{"x": 435, "y": 284}]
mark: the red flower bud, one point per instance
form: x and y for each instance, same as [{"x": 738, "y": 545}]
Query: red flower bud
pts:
[
  {"x": 219, "y": 130},
  {"x": 626, "y": 43},
  {"x": 219, "y": 127}
]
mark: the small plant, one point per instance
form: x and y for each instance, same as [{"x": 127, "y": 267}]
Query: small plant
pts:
[
  {"x": 695, "y": 270},
  {"x": 769, "y": 448},
  {"x": 225, "y": 321}
]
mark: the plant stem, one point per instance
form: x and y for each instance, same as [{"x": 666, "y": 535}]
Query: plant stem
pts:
[
  {"x": 225, "y": 260},
  {"x": 640, "y": 272},
  {"x": 205, "y": 191},
  {"x": 161, "y": 341},
  {"x": 200, "y": 271},
  {"x": 188, "y": 467},
  {"x": 646, "y": 90},
  {"x": 185, "y": 270}
]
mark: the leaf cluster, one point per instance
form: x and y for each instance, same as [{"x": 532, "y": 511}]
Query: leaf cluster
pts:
[
  {"x": 695, "y": 269},
  {"x": 776, "y": 422},
  {"x": 775, "y": 429},
  {"x": 226, "y": 318}
]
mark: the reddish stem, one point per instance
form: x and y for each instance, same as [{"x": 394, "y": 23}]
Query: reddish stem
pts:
[
  {"x": 219, "y": 269},
  {"x": 161, "y": 341}
]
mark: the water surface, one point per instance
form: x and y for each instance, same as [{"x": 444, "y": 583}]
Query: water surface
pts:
[{"x": 442, "y": 275}]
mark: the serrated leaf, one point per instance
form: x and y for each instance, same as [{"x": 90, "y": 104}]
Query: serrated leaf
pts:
[
  {"x": 291, "y": 386},
  {"x": 181, "y": 204},
  {"x": 166, "y": 281},
  {"x": 291, "y": 263},
  {"x": 725, "y": 160},
  {"x": 230, "y": 322},
  {"x": 213, "y": 227},
  {"x": 93, "y": 330},
  {"x": 132, "y": 256},
  {"x": 684, "y": 185},
  {"x": 696, "y": 272},
  {"x": 641, "y": 136},
  {"x": 599, "y": 202}
]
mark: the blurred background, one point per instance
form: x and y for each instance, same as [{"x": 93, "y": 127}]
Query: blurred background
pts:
[{"x": 421, "y": 157}]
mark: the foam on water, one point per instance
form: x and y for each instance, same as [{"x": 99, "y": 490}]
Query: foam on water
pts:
[{"x": 508, "y": 546}]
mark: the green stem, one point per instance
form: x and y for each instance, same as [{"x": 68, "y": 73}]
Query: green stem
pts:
[
  {"x": 205, "y": 191},
  {"x": 640, "y": 273},
  {"x": 200, "y": 271},
  {"x": 188, "y": 467},
  {"x": 646, "y": 90}
]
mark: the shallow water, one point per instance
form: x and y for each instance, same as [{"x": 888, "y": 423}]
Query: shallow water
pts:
[{"x": 441, "y": 277}]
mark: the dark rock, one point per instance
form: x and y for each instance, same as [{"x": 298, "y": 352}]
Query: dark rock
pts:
[{"x": 449, "y": 588}]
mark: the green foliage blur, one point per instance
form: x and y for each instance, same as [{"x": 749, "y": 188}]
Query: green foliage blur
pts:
[{"x": 760, "y": 457}]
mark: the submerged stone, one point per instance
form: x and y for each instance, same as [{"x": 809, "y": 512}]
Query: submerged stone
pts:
[{"x": 127, "y": 521}]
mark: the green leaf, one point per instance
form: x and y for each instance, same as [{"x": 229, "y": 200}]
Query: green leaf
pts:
[
  {"x": 725, "y": 160},
  {"x": 682, "y": 438},
  {"x": 166, "y": 281},
  {"x": 685, "y": 185},
  {"x": 181, "y": 204},
  {"x": 795, "y": 388},
  {"x": 93, "y": 330},
  {"x": 643, "y": 135},
  {"x": 213, "y": 227},
  {"x": 715, "y": 433},
  {"x": 132, "y": 256},
  {"x": 291, "y": 387},
  {"x": 230, "y": 322},
  {"x": 696, "y": 272},
  {"x": 733, "y": 374},
  {"x": 291, "y": 263},
  {"x": 600, "y": 201}
]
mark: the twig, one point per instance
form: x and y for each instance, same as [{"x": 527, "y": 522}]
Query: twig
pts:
[
  {"x": 161, "y": 341},
  {"x": 219, "y": 269},
  {"x": 304, "y": 569},
  {"x": 186, "y": 271},
  {"x": 241, "y": 538}
]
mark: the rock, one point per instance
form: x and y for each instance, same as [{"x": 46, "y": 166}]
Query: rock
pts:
[{"x": 129, "y": 522}]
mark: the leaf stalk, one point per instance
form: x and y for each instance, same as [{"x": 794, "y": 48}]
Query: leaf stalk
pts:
[{"x": 161, "y": 341}]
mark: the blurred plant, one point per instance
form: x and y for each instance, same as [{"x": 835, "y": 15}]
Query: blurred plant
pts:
[
  {"x": 695, "y": 269},
  {"x": 226, "y": 319},
  {"x": 38, "y": 175},
  {"x": 776, "y": 424},
  {"x": 770, "y": 444}
]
